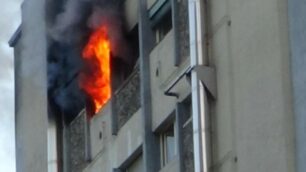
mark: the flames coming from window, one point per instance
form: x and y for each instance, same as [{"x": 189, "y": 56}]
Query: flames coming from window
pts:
[{"x": 95, "y": 79}]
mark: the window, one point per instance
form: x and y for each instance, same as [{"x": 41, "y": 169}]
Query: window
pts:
[
  {"x": 163, "y": 26},
  {"x": 168, "y": 145},
  {"x": 124, "y": 66},
  {"x": 161, "y": 18}
]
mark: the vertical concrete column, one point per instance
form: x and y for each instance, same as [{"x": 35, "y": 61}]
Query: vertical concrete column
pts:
[
  {"x": 297, "y": 25},
  {"x": 175, "y": 24},
  {"x": 31, "y": 85},
  {"x": 146, "y": 43},
  {"x": 179, "y": 128}
]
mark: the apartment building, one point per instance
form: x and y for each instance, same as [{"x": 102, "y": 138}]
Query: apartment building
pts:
[{"x": 208, "y": 86}]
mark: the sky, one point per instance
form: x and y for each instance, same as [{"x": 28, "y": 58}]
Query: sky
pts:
[{"x": 9, "y": 21}]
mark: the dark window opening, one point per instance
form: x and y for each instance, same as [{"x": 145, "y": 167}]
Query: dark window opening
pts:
[
  {"x": 123, "y": 67},
  {"x": 163, "y": 26},
  {"x": 126, "y": 83},
  {"x": 133, "y": 39}
]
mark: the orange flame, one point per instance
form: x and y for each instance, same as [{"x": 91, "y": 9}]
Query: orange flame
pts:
[{"x": 95, "y": 80}]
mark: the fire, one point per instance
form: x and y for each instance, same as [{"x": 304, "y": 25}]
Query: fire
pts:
[{"x": 95, "y": 79}]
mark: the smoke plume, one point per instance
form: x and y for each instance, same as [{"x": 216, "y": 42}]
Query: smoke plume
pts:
[{"x": 68, "y": 32}]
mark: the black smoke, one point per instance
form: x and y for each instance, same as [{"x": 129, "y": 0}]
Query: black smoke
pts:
[{"x": 69, "y": 24}]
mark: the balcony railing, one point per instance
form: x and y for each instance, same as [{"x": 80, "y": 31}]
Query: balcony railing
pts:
[{"x": 126, "y": 99}]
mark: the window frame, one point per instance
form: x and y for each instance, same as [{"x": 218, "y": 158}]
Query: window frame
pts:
[
  {"x": 157, "y": 13},
  {"x": 164, "y": 159}
]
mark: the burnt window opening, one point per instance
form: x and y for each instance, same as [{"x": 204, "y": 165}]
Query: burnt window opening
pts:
[
  {"x": 113, "y": 68},
  {"x": 133, "y": 38},
  {"x": 123, "y": 67},
  {"x": 126, "y": 83}
]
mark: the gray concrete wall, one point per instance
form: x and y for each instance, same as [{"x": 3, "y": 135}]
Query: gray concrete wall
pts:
[
  {"x": 31, "y": 91},
  {"x": 297, "y": 25},
  {"x": 100, "y": 131},
  {"x": 109, "y": 151},
  {"x": 163, "y": 73},
  {"x": 253, "y": 119},
  {"x": 161, "y": 67},
  {"x": 172, "y": 166}
]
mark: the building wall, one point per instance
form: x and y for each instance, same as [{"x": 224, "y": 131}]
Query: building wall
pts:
[
  {"x": 31, "y": 90},
  {"x": 109, "y": 151},
  {"x": 297, "y": 21},
  {"x": 253, "y": 118}
]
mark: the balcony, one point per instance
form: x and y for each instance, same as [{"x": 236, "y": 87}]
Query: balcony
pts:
[{"x": 126, "y": 99}]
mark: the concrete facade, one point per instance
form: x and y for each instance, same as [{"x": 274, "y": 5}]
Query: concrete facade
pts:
[
  {"x": 253, "y": 120},
  {"x": 31, "y": 90},
  {"x": 256, "y": 119},
  {"x": 109, "y": 151},
  {"x": 297, "y": 25}
]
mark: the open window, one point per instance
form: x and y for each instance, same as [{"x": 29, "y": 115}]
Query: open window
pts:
[
  {"x": 126, "y": 84},
  {"x": 168, "y": 145},
  {"x": 123, "y": 67}
]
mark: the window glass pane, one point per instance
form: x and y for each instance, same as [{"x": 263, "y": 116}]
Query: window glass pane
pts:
[{"x": 170, "y": 144}]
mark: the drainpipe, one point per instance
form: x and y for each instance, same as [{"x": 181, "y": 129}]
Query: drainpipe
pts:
[{"x": 199, "y": 89}]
